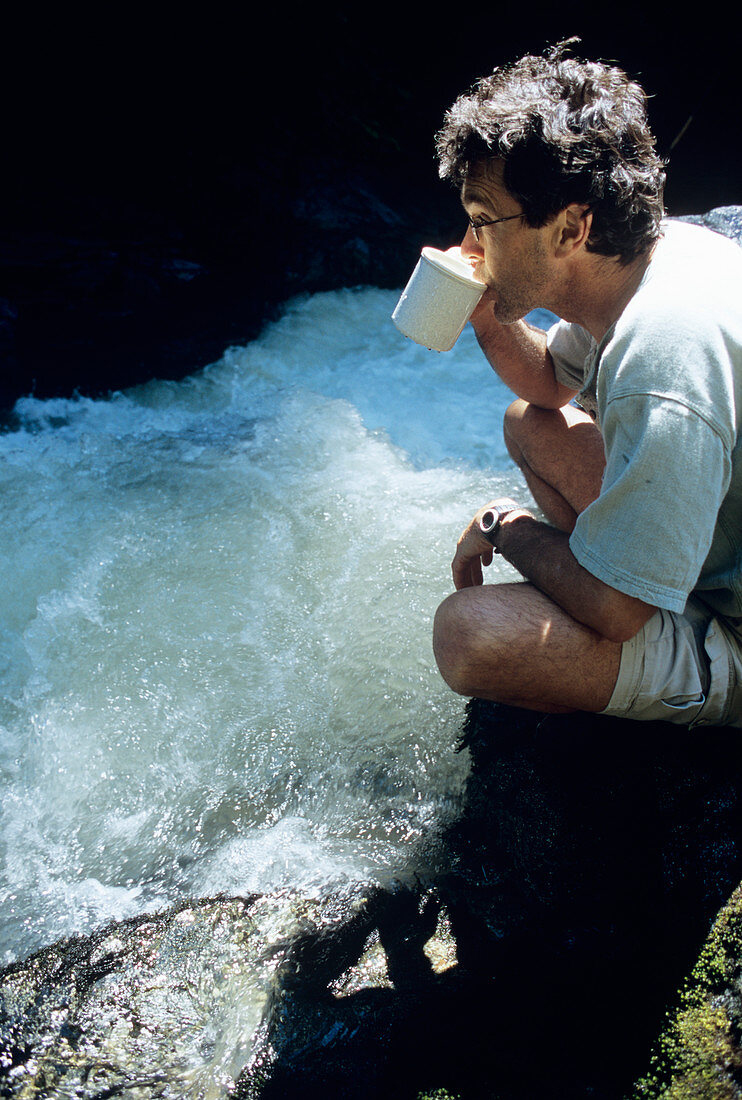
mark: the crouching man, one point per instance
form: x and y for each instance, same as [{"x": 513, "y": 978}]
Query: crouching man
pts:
[{"x": 627, "y": 419}]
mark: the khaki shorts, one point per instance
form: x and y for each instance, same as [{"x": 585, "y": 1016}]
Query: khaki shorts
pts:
[{"x": 681, "y": 668}]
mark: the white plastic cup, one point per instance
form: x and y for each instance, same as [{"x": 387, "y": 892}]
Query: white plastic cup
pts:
[{"x": 438, "y": 300}]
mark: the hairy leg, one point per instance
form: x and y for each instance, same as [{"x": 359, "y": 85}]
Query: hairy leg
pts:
[
  {"x": 510, "y": 643},
  {"x": 560, "y": 452}
]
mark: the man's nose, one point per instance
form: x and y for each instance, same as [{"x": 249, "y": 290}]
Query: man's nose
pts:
[{"x": 471, "y": 249}]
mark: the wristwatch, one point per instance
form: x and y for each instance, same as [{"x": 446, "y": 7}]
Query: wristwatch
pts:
[{"x": 491, "y": 519}]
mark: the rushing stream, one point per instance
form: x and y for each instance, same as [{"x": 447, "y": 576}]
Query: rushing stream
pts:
[{"x": 215, "y": 647}]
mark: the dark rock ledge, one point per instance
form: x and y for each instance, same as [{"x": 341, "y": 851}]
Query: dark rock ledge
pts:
[
  {"x": 590, "y": 860},
  {"x": 93, "y": 309}
]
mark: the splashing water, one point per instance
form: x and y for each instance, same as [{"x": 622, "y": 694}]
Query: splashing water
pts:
[{"x": 217, "y": 672}]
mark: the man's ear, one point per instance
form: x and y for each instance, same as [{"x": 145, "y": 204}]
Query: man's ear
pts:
[{"x": 572, "y": 229}]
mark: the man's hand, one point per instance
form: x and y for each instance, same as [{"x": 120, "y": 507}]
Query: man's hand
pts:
[
  {"x": 542, "y": 555},
  {"x": 473, "y": 550}
]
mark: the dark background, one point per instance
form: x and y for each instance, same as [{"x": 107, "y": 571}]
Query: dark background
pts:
[{"x": 168, "y": 181}]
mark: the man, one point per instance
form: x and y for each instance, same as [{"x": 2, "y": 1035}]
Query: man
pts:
[{"x": 632, "y": 603}]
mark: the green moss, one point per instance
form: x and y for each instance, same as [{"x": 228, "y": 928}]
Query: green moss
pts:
[{"x": 698, "y": 1056}]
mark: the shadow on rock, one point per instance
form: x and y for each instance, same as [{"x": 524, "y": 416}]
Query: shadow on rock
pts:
[
  {"x": 590, "y": 862},
  {"x": 579, "y": 885},
  {"x": 585, "y": 871}
]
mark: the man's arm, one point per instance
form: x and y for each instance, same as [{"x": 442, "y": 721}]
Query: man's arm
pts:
[
  {"x": 518, "y": 354},
  {"x": 542, "y": 555}
]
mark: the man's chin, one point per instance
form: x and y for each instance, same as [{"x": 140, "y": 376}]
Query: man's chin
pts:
[{"x": 505, "y": 316}]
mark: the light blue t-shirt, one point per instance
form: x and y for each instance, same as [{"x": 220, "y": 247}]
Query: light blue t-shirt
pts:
[{"x": 665, "y": 387}]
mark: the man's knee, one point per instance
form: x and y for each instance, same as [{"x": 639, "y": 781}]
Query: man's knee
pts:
[
  {"x": 447, "y": 644},
  {"x": 513, "y": 428},
  {"x": 525, "y": 424},
  {"x": 527, "y": 430},
  {"x": 456, "y": 645}
]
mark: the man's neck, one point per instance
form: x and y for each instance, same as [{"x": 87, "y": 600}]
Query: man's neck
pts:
[{"x": 597, "y": 290}]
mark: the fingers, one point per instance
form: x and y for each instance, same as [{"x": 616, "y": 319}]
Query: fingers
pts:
[
  {"x": 467, "y": 573},
  {"x": 472, "y": 552}
]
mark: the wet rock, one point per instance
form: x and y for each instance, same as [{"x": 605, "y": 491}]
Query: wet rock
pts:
[
  {"x": 179, "y": 1003},
  {"x": 590, "y": 859},
  {"x": 365, "y": 1006},
  {"x": 588, "y": 863},
  {"x": 160, "y": 1004}
]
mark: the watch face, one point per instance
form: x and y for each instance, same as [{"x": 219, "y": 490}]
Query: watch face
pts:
[{"x": 489, "y": 521}]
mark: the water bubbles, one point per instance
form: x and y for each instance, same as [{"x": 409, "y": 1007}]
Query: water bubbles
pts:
[{"x": 217, "y": 667}]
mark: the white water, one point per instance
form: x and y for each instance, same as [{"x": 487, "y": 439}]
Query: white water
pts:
[{"x": 215, "y": 659}]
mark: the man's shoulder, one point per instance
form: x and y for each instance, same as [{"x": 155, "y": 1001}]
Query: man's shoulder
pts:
[
  {"x": 680, "y": 337},
  {"x": 688, "y": 252},
  {"x": 693, "y": 285}
]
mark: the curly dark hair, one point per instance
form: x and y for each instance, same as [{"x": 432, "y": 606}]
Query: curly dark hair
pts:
[{"x": 567, "y": 131}]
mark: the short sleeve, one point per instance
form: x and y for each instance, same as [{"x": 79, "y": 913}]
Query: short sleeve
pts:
[
  {"x": 569, "y": 346},
  {"x": 650, "y": 530}
]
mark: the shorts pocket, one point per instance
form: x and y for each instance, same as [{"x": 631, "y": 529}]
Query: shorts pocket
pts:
[{"x": 681, "y": 709}]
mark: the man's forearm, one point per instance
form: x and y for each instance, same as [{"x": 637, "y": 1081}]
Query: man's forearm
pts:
[
  {"x": 519, "y": 355},
  {"x": 542, "y": 554}
]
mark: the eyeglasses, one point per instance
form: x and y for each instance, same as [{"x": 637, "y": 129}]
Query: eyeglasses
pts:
[{"x": 493, "y": 221}]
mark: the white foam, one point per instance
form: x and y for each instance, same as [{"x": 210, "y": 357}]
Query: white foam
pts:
[{"x": 217, "y": 669}]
